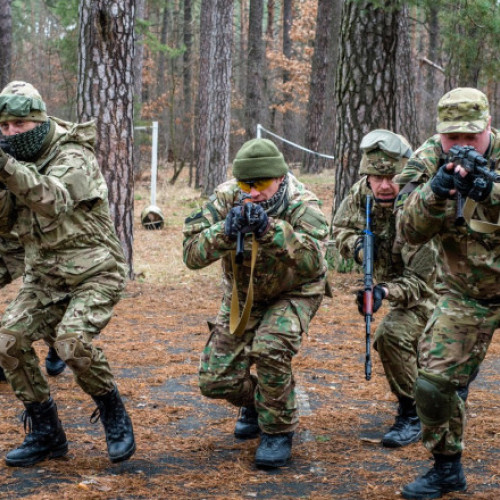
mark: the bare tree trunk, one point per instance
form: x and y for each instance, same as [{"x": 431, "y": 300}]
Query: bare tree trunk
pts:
[
  {"x": 105, "y": 93},
  {"x": 187, "y": 76},
  {"x": 318, "y": 83},
  {"x": 205, "y": 89},
  {"x": 138, "y": 60},
  {"x": 288, "y": 122},
  {"x": 370, "y": 83},
  {"x": 221, "y": 117},
  {"x": 255, "y": 57},
  {"x": 5, "y": 42}
]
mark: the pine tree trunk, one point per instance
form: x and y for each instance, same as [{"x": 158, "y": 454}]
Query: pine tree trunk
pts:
[
  {"x": 5, "y": 42},
  {"x": 105, "y": 93}
]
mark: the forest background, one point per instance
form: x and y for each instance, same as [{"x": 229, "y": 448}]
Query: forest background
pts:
[{"x": 320, "y": 73}]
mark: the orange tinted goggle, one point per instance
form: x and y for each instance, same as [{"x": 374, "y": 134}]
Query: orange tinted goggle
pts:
[{"x": 259, "y": 185}]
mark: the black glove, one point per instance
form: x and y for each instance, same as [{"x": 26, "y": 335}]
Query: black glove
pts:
[
  {"x": 358, "y": 250},
  {"x": 235, "y": 223},
  {"x": 378, "y": 297},
  {"x": 463, "y": 184},
  {"x": 481, "y": 189},
  {"x": 256, "y": 219},
  {"x": 442, "y": 182}
]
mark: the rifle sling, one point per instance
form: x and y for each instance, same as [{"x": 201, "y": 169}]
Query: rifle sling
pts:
[
  {"x": 477, "y": 225},
  {"x": 237, "y": 323}
]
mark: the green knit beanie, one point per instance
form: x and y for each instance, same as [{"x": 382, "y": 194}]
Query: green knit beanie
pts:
[{"x": 259, "y": 159}]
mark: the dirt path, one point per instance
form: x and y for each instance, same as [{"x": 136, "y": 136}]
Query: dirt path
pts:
[{"x": 185, "y": 444}]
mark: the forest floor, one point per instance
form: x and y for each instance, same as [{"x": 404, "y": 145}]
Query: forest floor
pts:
[{"x": 185, "y": 443}]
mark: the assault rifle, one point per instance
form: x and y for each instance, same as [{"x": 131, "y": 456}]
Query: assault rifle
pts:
[
  {"x": 476, "y": 165},
  {"x": 368, "y": 248},
  {"x": 240, "y": 244}
]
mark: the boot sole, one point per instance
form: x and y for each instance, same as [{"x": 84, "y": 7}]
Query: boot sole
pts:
[
  {"x": 414, "y": 496},
  {"x": 57, "y": 453},
  {"x": 55, "y": 373},
  {"x": 262, "y": 464},
  {"x": 247, "y": 436},
  {"x": 123, "y": 457}
]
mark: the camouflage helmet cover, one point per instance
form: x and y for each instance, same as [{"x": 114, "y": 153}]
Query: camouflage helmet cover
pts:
[
  {"x": 21, "y": 101},
  {"x": 463, "y": 110},
  {"x": 384, "y": 153}
]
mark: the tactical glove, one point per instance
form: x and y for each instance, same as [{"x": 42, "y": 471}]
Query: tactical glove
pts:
[
  {"x": 235, "y": 223},
  {"x": 463, "y": 184},
  {"x": 378, "y": 297},
  {"x": 256, "y": 219},
  {"x": 442, "y": 182},
  {"x": 3, "y": 159},
  {"x": 481, "y": 189}
]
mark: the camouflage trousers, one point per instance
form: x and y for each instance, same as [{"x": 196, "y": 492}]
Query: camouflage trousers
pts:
[
  {"x": 396, "y": 341},
  {"x": 272, "y": 337},
  {"x": 67, "y": 321},
  {"x": 455, "y": 343}
]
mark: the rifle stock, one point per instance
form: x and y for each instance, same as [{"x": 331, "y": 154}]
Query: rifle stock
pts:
[{"x": 368, "y": 285}]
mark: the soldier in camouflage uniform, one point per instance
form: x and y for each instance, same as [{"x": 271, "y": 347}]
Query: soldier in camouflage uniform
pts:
[
  {"x": 55, "y": 194},
  {"x": 405, "y": 273},
  {"x": 459, "y": 332},
  {"x": 11, "y": 267},
  {"x": 289, "y": 277}
]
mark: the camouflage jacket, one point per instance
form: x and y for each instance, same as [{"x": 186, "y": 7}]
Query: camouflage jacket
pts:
[
  {"x": 471, "y": 264},
  {"x": 290, "y": 259},
  {"x": 59, "y": 206},
  {"x": 11, "y": 257},
  {"x": 408, "y": 271}
]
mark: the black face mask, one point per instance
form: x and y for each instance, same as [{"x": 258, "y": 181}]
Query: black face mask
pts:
[{"x": 27, "y": 145}]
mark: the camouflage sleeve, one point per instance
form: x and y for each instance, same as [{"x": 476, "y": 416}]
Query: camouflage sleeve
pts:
[
  {"x": 423, "y": 215},
  {"x": 7, "y": 211},
  {"x": 70, "y": 179},
  {"x": 348, "y": 225},
  {"x": 297, "y": 243},
  {"x": 204, "y": 239},
  {"x": 417, "y": 281}
]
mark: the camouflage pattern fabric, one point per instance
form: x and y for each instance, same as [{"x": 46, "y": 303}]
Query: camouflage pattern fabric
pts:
[
  {"x": 408, "y": 272},
  {"x": 11, "y": 259},
  {"x": 75, "y": 267},
  {"x": 458, "y": 334},
  {"x": 289, "y": 284}
]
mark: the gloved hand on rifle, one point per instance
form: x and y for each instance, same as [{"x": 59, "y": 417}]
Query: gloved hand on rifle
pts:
[
  {"x": 378, "y": 296},
  {"x": 358, "y": 250},
  {"x": 472, "y": 186},
  {"x": 444, "y": 182},
  {"x": 249, "y": 218}
]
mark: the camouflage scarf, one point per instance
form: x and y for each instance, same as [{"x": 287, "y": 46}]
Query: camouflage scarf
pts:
[
  {"x": 279, "y": 201},
  {"x": 26, "y": 146}
]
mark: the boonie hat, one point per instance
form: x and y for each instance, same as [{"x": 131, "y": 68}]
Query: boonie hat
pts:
[
  {"x": 462, "y": 110},
  {"x": 21, "y": 101},
  {"x": 384, "y": 153}
]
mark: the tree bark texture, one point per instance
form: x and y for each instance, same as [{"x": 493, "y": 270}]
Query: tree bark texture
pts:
[
  {"x": 318, "y": 84},
  {"x": 255, "y": 61},
  {"x": 372, "y": 85},
  {"x": 5, "y": 42},
  {"x": 105, "y": 93}
]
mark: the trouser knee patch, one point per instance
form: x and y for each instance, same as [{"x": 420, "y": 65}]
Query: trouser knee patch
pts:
[
  {"x": 435, "y": 397},
  {"x": 7, "y": 360},
  {"x": 73, "y": 352}
]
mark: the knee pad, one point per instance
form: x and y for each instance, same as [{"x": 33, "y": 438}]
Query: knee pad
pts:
[
  {"x": 436, "y": 397},
  {"x": 73, "y": 352},
  {"x": 7, "y": 357}
]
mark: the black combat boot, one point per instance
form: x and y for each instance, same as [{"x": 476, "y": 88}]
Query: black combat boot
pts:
[
  {"x": 446, "y": 475},
  {"x": 247, "y": 425},
  {"x": 53, "y": 363},
  {"x": 117, "y": 425},
  {"x": 2, "y": 375},
  {"x": 274, "y": 450},
  {"x": 45, "y": 437},
  {"x": 406, "y": 428}
]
